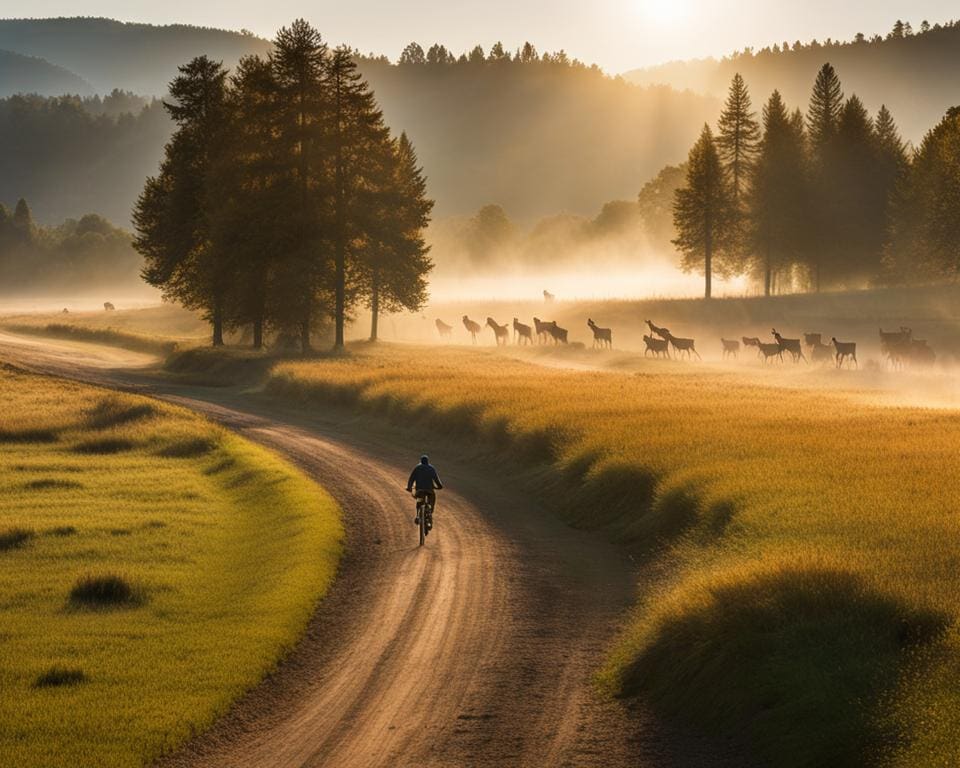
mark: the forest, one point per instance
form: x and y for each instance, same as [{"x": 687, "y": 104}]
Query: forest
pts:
[
  {"x": 75, "y": 255},
  {"x": 832, "y": 198}
]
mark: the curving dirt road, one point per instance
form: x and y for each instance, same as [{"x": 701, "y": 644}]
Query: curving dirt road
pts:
[{"x": 478, "y": 649}]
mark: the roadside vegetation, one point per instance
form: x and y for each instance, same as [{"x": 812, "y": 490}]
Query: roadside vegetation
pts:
[
  {"x": 156, "y": 567},
  {"x": 803, "y": 543}
]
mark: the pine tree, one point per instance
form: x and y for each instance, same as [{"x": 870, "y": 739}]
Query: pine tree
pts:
[
  {"x": 172, "y": 215},
  {"x": 22, "y": 221},
  {"x": 704, "y": 211},
  {"x": 357, "y": 135},
  {"x": 826, "y": 105},
  {"x": 738, "y": 135}
]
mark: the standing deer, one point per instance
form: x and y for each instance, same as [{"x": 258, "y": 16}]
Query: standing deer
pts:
[
  {"x": 443, "y": 329},
  {"x": 522, "y": 333},
  {"x": 751, "y": 341},
  {"x": 601, "y": 336},
  {"x": 682, "y": 345},
  {"x": 813, "y": 339},
  {"x": 559, "y": 334},
  {"x": 767, "y": 351},
  {"x": 663, "y": 333},
  {"x": 820, "y": 353},
  {"x": 894, "y": 344},
  {"x": 845, "y": 349},
  {"x": 501, "y": 333},
  {"x": 108, "y": 306},
  {"x": 790, "y": 345},
  {"x": 472, "y": 328},
  {"x": 548, "y": 297},
  {"x": 657, "y": 346},
  {"x": 542, "y": 329},
  {"x": 731, "y": 348}
]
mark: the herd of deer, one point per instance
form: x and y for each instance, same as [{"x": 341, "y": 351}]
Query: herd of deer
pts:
[
  {"x": 541, "y": 332},
  {"x": 899, "y": 347}
]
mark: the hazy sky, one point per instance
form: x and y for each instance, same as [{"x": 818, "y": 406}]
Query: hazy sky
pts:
[{"x": 617, "y": 34}]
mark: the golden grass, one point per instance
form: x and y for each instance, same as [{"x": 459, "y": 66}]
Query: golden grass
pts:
[
  {"x": 147, "y": 586},
  {"x": 808, "y": 541}
]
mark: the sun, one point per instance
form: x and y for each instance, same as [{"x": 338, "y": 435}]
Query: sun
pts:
[{"x": 665, "y": 13}]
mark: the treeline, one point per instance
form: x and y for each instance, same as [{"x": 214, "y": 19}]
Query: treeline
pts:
[
  {"x": 75, "y": 255},
  {"x": 907, "y": 68},
  {"x": 832, "y": 198},
  {"x": 69, "y": 154},
  {"x": 282, "y": 199}
]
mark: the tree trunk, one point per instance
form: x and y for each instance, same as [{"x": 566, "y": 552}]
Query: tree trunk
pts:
[
  {"x": 375, "y": 306},
  {"x": 258, "y": 332},
  {"x": 708, "y": 264},
  {"x": 767, "y": 273},
  {"x": 305, "y": 332},
  {"x": 340, "y": 234},
  {"x": 217, "y": 323},
  {"x": 816, "y": 277}
]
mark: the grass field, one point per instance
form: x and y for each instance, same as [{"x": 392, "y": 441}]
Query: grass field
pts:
[
  {"x": 805, "y": 543},
  {"x": 154, "y": 568}
]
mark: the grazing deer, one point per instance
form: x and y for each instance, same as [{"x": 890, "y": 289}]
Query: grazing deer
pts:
[
  {"x": 845, "y": 349},
  {"x": 108, "y": 306},
  {"x": 731, "y": 348},
  {"x": 601, "y": 336},
  {"x": 522, "y": 333},
  {"x": 820, "y": 353},
  {"x": 548, "y": 297},
  {"x": 767, "y": 351},
  {"x": 542, "y": 328},
  {"x": 657, "y": 346},
  {"x": 663, "y": 333},
  {"x": 443, "y": 329},
  {"x": 559, "y": 334},
  {"x": 894, "y": 344},
  {"x": 813, "y": 339},
  {"x": 66, "y": 311},
  {"x": 790, "y": 345},
  {"x": 682, "y": 345},
  {"x": 501, "y": 333},
  {"x": 751, "y": 341},
  {"x": 472, "y": 328}
]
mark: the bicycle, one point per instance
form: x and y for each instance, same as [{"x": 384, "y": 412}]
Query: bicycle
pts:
[{"x": 424, "y": 516}]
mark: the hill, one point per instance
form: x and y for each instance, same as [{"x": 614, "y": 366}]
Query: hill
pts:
[
  {"x": 112, "y": 54},
  {"x": 28, "y": 74},
  {"x": 913, "y": 74}
]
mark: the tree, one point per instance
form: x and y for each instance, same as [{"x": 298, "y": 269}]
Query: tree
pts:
[
  {"x": 395, "y": 255},
  {"x": 826, "y": 105},
  {"x": 777, "y": 199},
  {"x": 357, "y": 135},
  {"x": 655, "y": 203},
  {"x": 413, "y": 54},
  {"x": 704, "y": 210},
  {"x": 171, "y": 215},
  {"x": 22, "y": 221},
  {"x": 477, "y": 55}
]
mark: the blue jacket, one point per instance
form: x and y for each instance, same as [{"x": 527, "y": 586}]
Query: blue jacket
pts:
[{"x": 424, "y": 476}]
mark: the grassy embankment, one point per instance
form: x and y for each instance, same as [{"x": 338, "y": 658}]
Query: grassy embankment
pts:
[
  {"x": 154, "y": 568},
  {"x": 808, "y": 542}
]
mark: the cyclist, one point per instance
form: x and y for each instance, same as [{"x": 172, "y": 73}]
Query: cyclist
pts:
[{"x": 427, "y": 482}]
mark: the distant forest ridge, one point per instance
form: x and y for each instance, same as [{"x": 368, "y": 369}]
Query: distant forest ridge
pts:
[{"x": 912, "y": 71}]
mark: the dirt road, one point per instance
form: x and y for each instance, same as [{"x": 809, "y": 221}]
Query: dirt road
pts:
[{"x": 478, "y": 649}]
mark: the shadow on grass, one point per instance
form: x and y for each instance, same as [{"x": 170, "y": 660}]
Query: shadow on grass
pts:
[
  {"x": 104, "y": 447},
  {"x": 790, "y": 662},
  {"x": 19, "y": 436},
  {"x": 114, "y": 411},
  {"x": 52, "y": 484},
  {"x": 105, "y": 591},
  {"x": 57, "y": 676},
  {"x": 187, "y": 448},
  {"x": 14, "y": 538}
]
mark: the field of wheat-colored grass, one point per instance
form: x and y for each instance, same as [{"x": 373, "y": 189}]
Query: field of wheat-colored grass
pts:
[
  {"x": 154, "y": 567},
  {"x": 806, "y": 542}
]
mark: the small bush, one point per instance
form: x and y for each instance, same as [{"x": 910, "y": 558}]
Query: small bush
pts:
[
  {"x": 13, "y": 538},
  {"x": 115, "y": 411},
  {"x": 58, "y": 676},
  {"x": 107, "y": 446},
  {"x": 104, "y": 591},
  {"x": 52, "y": 483}
]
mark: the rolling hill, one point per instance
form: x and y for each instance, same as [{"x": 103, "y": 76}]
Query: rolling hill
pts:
[{"x": 29, "y": 74}]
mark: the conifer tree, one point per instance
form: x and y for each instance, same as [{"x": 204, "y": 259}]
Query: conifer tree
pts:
[
  {"x": 704, "y": 211},
  {"x": 738, "y": 135},
  {"x": 826, "y": 105}
]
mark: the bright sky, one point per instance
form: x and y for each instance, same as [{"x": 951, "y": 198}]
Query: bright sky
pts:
[{"x": 616, "y": 34}]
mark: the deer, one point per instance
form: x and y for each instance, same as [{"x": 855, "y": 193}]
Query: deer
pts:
[
  {"x": 522, "y": 333},
  {"x": 767, "y": 351},
  {"x": 813, "y": 339},
  {"x": 472, "y": 328},
  {"x": 682, "y": 345},
  {"x": 657, "y": 346},
  {"x": 663, "y": 333},
  {"x": 548, "y": 297},
  {"x": 751, "y": 341},
  {"x": 731, "y": 348},
  {"x": 443, "y": 329},
  {"x": 790, "y": 345},
  {"x": 845, "y": 349},
  {"x": 559, "y": 334},
  {"x": 501, "y": 333},
  {"x": 542, "y": 329},
  {"x": 820, "y": 352},
  {"x": 601, "y": 336},
  {"x": 108, "y": 306},
  {"x": 920, "y": 352},
  {"x": 893, "y": 344}
]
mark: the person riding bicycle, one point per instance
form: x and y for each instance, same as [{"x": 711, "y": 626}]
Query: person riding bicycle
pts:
[{"x": 427, "y": 482}]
